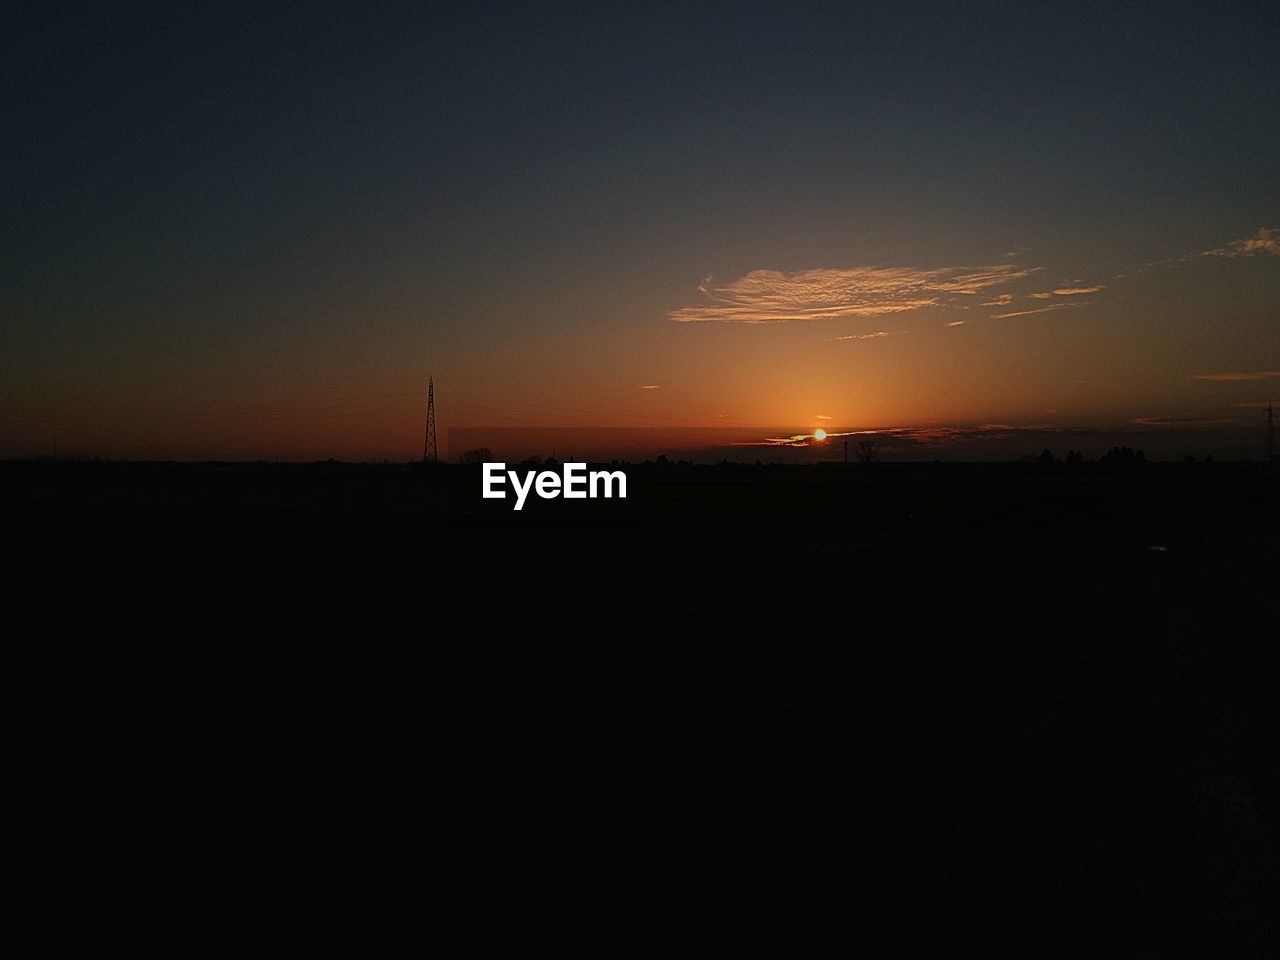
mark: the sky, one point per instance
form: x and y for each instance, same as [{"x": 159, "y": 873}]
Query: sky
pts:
[{"x": 238, "y": 232}]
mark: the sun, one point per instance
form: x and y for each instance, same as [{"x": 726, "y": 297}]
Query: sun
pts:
[{"x": 819, "y": 434}]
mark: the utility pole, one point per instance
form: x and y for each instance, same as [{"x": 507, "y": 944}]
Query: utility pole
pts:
[{"x": 429, "y": 452}]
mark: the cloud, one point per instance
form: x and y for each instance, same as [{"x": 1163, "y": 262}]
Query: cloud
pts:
[
  {"x": 1067, "y": 292},
  {"x": 797, "y": 439},
  {"x": 1001, "y": 300},
  {"x": 769, "y": 296},
  {"x": 650, "y": 386},
  {"x": 957, "y": 323},
  {"x": 1257, "y": 404},
  {"x": 928, "y": 435},
  {"x": 1030, "y": 436},
  {"x": 1027, "y": 313},
  {"x": 1171, "y": 421},
  {"x": 1265, "y": 242},
  {"x": 867, "y": 336},
  {"x": 1237, "y": 377},
  {"x": 822, "y": 416}
]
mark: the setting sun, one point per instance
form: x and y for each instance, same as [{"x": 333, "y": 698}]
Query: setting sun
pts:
[{"x": 819, "y": 434}]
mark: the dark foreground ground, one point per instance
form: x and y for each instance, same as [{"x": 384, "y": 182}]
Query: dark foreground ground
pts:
[{"x": 912, "y": 709}]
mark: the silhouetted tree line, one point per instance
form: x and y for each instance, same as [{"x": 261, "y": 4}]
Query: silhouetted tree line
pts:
[{"x": 1123, "y": 457}]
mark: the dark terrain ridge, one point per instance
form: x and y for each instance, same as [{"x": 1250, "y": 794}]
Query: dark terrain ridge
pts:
[{"x": 907, "y": 708}]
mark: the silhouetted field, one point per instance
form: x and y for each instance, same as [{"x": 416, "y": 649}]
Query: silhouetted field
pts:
[{"x": 916, "y": 708}]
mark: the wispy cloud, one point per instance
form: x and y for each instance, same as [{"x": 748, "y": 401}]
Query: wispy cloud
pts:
[
  {"x": 822, "y": 416},
  {"x": 957, "y": 323},
  {"x": 798, "y": 439},
  {"x": 1001, "y": 300},
  {"x": 1026, "y": 437},
  {"x": 769, "y": 296},
  {"x": 1027, "y": 313},
  {"x": 1266, "y": 242},
  {"x": 867, "y": 336},
  {"x": 650, "y": 386},
  {"x": 918, "y": 436},
  {"x": 1067, "y": 292},
  {"x": 1237, "y": 377},
  {"x": 1257, "y": 404},
  {"x": 1175, "y": 421}
]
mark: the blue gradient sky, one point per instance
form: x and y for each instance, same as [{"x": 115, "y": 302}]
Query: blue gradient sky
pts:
[{"x": 245, "y": 232}]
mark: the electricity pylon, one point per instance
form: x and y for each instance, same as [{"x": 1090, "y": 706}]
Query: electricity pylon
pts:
[{"x": 429, "y": 451}]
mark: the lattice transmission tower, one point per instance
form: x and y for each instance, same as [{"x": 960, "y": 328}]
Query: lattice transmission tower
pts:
[{"x": 430, "y": 454}]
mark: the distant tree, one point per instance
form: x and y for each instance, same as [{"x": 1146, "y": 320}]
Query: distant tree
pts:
[
  {"x": 867, "y": 450},
  {"x": 478, "y": 455},
  {"x": 1123, "y": 457},
  {"x": 1047, "y": 459}
]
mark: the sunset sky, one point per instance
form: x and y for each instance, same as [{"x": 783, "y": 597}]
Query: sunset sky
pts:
[{"x": 255, "y": 233}]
